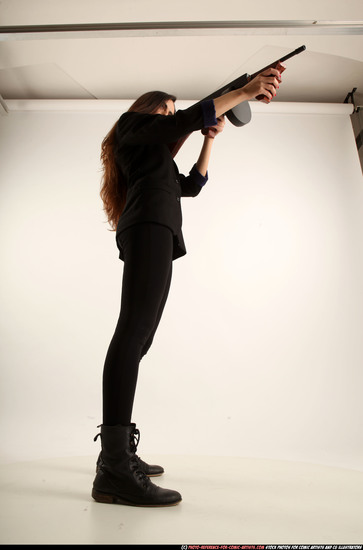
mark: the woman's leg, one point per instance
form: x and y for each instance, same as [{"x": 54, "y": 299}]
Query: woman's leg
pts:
[
  {"x": 147, "y": 345},
  {"x": 148, "y": 250}
]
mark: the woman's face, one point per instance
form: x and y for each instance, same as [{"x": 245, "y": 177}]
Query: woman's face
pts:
[{"x": 167, "y": 109}]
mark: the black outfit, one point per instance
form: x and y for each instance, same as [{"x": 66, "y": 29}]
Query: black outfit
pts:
[
  {"x": 154, "y": 185},
  {"x": 149, "y": 238}
]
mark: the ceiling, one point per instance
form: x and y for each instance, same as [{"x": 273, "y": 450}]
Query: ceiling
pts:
[{"x": 190, "y": 63}]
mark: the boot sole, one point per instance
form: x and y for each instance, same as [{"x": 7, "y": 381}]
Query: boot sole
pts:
[
  {"x": 113, "y": 499},
  {"x": 148, "y": 475}
]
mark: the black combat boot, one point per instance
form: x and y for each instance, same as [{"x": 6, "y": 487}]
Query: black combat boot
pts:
[
  {"x": 151, "y": 470},
  {"x": 120, "y": 479}
]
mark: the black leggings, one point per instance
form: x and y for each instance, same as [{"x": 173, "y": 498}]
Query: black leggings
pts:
[{"x": 148, "y": 254}]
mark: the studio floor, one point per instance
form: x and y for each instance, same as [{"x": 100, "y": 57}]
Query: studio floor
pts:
[{"x": 225, "y": 501}]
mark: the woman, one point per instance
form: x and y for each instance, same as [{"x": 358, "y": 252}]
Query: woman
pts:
[{"x": 141, "y": 192}]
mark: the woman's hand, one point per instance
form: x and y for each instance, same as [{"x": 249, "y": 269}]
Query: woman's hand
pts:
[
  {"x": 210, "y": 134},
  {"x": 214, "y": 130},
  {"x": 265, "y": 84}
]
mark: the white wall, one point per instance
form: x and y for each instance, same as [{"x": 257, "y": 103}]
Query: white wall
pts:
[{"x": 259, "y": 352}]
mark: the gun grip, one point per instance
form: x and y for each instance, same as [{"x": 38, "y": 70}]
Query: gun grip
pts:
[{"x": 279, "y": 67}]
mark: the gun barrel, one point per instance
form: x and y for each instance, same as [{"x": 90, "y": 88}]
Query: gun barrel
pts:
[
  {"x": 291, "y": 54},
  {"x": 281, "y": 60}
]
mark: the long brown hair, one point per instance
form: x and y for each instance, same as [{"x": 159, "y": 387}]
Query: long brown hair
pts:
[{"x": 113, "y": 188}]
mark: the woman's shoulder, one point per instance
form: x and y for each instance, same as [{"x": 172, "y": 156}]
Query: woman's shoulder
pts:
[
  {"x": 131, "y": 119},
  {"x": 130, "y": 115}
]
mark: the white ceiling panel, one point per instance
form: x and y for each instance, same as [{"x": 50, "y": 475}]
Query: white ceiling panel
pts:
[{"x": 191, "y": 66}]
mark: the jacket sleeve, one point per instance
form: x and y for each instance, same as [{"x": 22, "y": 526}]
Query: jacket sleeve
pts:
[
  {"x": 138, "y": 128},
  {"x": 192, "y": 185}
]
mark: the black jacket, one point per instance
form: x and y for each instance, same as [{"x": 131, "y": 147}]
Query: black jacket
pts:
[{"x": 154, "y": 185}]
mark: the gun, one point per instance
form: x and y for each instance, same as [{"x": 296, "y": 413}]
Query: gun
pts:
[{"x": 241, "y": 114}]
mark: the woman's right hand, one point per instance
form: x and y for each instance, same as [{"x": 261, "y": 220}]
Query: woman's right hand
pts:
[
  {"x": 262, "y": 84},
  {"x": 265, "y": 83}
]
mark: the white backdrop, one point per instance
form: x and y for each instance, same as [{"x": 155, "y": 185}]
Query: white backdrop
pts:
[{"x": 259, "y": 353}]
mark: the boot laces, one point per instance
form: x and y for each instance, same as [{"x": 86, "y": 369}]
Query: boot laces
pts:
[
  {"x": 135, "y": 460},
  {"x": 98, "y": 435},
  {"x": 139, "y": 474},
  {"x": 134, "y": 439}
]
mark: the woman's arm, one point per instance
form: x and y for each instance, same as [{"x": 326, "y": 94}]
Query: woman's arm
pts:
[
  {"x": 261, "y": 84},
  {"x": 141, "y": 128},
  {"x": 198, "y": 176},
  {"x": 204, "y": 157}
]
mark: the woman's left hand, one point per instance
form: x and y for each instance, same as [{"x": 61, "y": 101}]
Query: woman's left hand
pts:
[{"x": 214, "y": 130}]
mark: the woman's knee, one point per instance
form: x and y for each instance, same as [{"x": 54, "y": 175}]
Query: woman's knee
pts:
[{"x": 135, "y": 333}]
